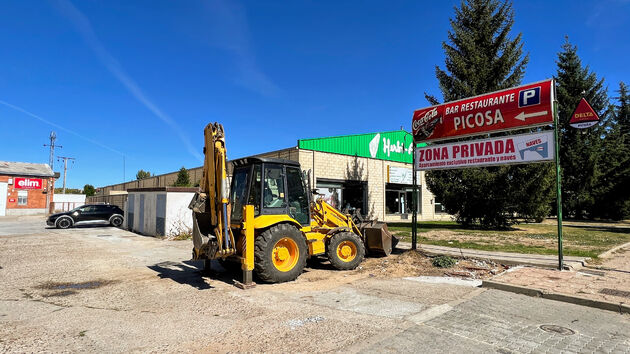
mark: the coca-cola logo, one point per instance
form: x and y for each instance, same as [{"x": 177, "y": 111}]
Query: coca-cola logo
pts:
[
  {"x": 28, "y": 183},
  {"x": 424, "y": 126}
]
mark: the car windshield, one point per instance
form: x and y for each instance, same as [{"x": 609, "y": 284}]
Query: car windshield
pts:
[{"x": 77, "y": 208}]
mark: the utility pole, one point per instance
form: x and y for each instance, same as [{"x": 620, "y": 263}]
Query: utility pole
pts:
[
  {"x": 52, "y": 145},
  {"x": 65, "y": 169}
]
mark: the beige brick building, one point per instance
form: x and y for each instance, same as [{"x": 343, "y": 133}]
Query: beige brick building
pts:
[{"x": 371, "y": 172}]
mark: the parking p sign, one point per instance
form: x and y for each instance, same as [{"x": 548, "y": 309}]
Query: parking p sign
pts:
[{"x": 529, "y": 97}]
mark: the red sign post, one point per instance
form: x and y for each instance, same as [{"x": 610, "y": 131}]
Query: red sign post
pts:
[
  {"x": 584, "y": 115},
  {"x": 514, "y": 108}
]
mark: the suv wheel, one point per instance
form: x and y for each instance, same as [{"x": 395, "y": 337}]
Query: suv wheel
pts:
[
  {"x": 63, "y": 223},
  {"x": 116, "y": 221}
]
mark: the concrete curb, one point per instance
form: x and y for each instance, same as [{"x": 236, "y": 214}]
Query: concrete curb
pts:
[
  {"x": 608, "y": 253},
  {"x": 602, "y": 305}
]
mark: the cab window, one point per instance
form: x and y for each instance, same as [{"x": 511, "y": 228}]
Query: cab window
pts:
[
  {"x": 273, "y": 187},
  {"x": 254, "y": 191},
  {"x": 298, "y": 202},
  {"x": 239, "y": 190}
]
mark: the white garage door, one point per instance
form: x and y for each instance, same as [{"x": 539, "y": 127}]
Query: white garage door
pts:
[{"x": 3, "y": 198}]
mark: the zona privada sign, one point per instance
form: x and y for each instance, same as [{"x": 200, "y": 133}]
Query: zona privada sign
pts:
[
  {"x": 511, "y": 149},
  {"x": 513, "y": 108}
]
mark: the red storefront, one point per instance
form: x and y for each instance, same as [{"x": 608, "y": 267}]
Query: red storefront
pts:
[{"x": 25, "y": 188}]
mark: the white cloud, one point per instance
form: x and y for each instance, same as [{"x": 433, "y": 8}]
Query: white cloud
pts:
[{"x": 20, "y": 109}]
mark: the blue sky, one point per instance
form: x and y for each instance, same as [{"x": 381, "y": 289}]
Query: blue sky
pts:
[{"x": 141, "y": 79}]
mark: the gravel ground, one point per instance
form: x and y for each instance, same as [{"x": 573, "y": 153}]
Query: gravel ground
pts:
[{"x": 109, "y": 290}]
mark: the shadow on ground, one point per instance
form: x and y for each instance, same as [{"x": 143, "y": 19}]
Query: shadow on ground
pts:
[{"x": 192, "y": 273}]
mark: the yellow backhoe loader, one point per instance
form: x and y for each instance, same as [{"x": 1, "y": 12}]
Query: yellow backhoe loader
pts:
[{"x": 267, "y": 222}]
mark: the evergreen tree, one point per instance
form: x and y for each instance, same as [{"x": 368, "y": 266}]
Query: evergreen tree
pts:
[
  {"x": 612, "y": 193},
  {"x": 580, "y": 149},
  {"x": 481, "y": 57},
  {"x": 183, "y": 178}
]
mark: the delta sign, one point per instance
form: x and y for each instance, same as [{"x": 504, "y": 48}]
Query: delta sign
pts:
[
  {"x": 28, "y": 183},
  {"x": 514, "y": 108},
  {"x": 584, "y": 115}
]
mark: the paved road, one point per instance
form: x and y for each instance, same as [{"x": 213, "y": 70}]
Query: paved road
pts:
[{"x": 105, "y": 289}]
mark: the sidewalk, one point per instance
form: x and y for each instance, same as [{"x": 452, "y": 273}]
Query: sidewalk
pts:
[
  {"x": 507, "y": 258},
  {"x": 605, "y": 286}
]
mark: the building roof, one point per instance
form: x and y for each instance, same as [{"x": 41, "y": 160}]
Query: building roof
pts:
[
  {"x": 25, "y": 169},
  {"x": 394, "y": 145}
]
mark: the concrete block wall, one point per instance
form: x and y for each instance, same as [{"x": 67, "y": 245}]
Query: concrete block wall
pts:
[{"x": 337, "y": 167}]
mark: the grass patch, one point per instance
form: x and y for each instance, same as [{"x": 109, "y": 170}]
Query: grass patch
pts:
[{"x": 578, "y": 240}]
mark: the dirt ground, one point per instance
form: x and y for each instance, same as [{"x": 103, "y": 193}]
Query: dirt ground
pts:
[
  {"x": 109, "y": 290},
  {"x": 106, "y": 289}
]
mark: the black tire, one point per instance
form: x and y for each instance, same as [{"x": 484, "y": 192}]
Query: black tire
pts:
[
  {"x": 264, "y": 253},
  {"x": 64, "y": 222},
  {"x": 351, "y": 261},
  {"x": 116, "y": 220}
]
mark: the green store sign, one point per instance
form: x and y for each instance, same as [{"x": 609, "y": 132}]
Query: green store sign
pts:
[{"x": 394, "y": 145}]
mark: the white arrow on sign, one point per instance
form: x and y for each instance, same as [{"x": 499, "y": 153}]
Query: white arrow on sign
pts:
[{"x": 522, "y": 116}]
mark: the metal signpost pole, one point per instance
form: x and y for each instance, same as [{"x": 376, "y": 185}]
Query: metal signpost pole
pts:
[
  {"x": 414, "y": 204},
  {"x": 558, "y": 183}
]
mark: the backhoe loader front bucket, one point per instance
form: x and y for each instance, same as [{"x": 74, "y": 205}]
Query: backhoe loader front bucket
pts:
[{"x": 378, "y": 239}]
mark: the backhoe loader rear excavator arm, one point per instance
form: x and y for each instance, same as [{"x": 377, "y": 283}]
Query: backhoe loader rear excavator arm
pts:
[{"x": 212, "y": 236}]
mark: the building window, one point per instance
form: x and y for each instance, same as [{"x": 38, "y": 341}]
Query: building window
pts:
[
  {"x": 398, "y": 199},
  {"x": 331, "y": 193},
  {"x": 22, "y": 197},
  {"x": 439, "y": 208},
  {"x": 347, "y": 196}
]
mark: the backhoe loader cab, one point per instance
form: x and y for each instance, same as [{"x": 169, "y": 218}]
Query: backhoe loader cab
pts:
[
  {"x": 272, "y": 186},
  {"x": 268, "y": 222}
]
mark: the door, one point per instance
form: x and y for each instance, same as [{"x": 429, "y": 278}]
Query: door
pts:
[
  {"x": 102, "y": 212},
  {"x": 87, "y": 213},
  {"x": 3, "y": 198}
]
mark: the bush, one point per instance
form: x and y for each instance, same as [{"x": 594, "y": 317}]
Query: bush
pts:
[{"x": 443, "y": 262}]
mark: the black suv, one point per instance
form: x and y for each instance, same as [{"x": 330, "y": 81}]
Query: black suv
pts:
[{"x": 87, "y": 214}]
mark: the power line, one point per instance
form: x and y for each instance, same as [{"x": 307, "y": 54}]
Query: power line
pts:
[
  {"x": 65, "y": 169},
  {"x": 52, "y": 145}
]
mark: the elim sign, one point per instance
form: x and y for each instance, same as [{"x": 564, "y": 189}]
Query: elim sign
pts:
[
  {"x": 393, "y": 145},
  {"x": 28, "y": 183}
]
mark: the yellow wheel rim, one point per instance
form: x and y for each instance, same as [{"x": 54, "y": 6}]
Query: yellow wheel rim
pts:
[
  {"x": 285, "y": 254},
  {"x": 347, "y": 251}
]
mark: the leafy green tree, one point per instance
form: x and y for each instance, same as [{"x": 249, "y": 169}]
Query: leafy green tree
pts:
[
  {"x": 580, "y": 149},
  {"x": 612, "y": 192},
  {"x": 89, "y": 190},
  {"x": 183, "y": 178},
  {"x": 142, "y": 174},
  {"x": 481, "y": 57}
]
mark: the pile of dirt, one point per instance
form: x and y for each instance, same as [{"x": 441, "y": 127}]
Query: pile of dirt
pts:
[{"x": 414, "y": 263}]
